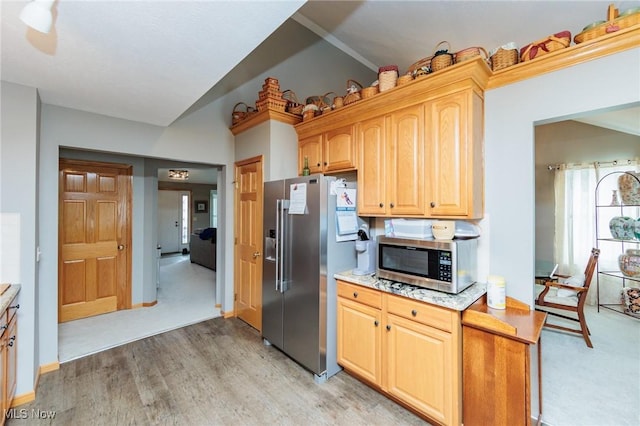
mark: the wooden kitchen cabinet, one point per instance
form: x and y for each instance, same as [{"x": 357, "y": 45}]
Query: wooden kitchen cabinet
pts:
[
  {"x": 391, "y": 174},
  {"x": 8, "y": 356},
  {"x": 360, "y": 339},
  {"x": 330, "y": 152},
  {"x": 406, "y": 349},
  {"x": 419, "y": 146},
  {"x": 497, "y": 362},
  {"x": 454, "y": 129}
]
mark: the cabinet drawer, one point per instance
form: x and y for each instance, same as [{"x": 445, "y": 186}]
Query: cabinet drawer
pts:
[
  {"x": 360, "y": 294},
  {"x": 421, "y": 312}
]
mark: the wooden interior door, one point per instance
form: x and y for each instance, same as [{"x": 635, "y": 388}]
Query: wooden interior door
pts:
[
  {"x": 248, "y": 241},
  {"x": 94, "y": 239}
]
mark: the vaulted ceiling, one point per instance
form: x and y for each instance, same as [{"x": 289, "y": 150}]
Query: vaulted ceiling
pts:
[{"x": 150, "y": 61}]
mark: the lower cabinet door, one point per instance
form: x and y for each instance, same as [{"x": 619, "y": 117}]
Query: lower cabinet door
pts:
[
  {"x": 418, "y": 367},
  {"x": 359, "y": 339}
]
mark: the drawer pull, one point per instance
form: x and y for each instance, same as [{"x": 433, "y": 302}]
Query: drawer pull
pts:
[
  {"x": 11, "y": 341},
  {"x": 388, "y": 328},
  {"x": 414, "y": 312},
  {"x": 432, "y": 204},
  {"x": 376, "y": 323},
  {"x": 4, "y": 327},
  {"x": 392, "y": 205},
  {"x": 15, "y": 307},
  {"x": 355, "y": 294},
  {"x": 381, "y": 205}
]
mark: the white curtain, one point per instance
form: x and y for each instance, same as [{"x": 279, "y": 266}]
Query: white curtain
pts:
[{"x": 575, "y": 215}]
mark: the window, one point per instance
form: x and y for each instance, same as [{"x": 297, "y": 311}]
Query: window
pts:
[
  {"x": 214, "y": 208},
  {"x": 185, "y": 219}
]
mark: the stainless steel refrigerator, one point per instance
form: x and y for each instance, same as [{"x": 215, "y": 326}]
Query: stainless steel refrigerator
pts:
[{"x": 301, "y": 255}]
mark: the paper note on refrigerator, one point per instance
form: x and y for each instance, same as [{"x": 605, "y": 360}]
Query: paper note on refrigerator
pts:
[{"x": 298, "y": 198}]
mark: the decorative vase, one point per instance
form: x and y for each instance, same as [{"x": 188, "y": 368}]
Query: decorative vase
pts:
[
  {"x": 630, "y": 263},
  {"x": 614, "y": 198},
  {"x": 629, "y": 187}
]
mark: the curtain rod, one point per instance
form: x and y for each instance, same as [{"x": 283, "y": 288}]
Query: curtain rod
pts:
[{"x": 552, "y": 167}]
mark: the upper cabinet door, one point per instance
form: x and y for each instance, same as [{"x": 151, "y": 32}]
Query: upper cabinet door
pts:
[
  {"x": 405, "y": 161},
  {"x": 311, "y": 148},
  {"x": 372, "y": 188},
  {"x": 454, "y": 142},
  {"x": 339, "y": 149}
]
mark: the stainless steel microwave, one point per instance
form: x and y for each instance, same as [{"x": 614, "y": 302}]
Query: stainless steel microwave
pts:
[{"x": 444, "y": 265}]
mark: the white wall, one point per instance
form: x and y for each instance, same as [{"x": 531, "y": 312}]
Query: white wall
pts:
[
  {"x": 188, "y": 140},
  {"x": 277, "y": 142},
  {"x": 511, "y": 112},
  {"x": 18, "y": 194}
]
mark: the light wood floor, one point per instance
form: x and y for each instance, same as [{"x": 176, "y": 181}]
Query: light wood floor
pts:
[{"x": 216, "y": 372}]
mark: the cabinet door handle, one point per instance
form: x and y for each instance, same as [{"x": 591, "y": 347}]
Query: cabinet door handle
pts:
[
  {"x": 15, "y": 307},
  {"x": 318, "y": 165},
  {"x": 388, "y": 328},
  {"x": 376, "y": 323},
  {"x": 325, "y": 163},
  {"x": 414, "y": 312},
  {"x": 432, "y": 204},
  {"x": 391, "y": 205},
  {"x": 381, "y": 205},
  {"x": 355, "y": 294}
]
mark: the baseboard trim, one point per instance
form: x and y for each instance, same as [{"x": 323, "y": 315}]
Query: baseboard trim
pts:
[
  {"x": 23, "y": 399},
  {"x": 31, "y": 395},
  {"x": 144, "y": 305},
  {"x": 47, "y": 368},
  {"x": 227, "y": 315}
]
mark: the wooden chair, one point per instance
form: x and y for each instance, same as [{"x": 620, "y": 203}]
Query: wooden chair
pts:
[{"x": 548, "y": 297}]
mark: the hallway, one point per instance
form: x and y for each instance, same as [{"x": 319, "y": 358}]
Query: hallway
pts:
[{"x": 186, "y": 295}]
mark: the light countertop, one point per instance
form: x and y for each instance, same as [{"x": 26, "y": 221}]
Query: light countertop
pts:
[
  {"x": 8, "y": 296},
  {"x": 458, "y": 302}
]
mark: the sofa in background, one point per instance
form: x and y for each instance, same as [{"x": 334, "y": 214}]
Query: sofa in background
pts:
[{"x": 202, "y": 247}]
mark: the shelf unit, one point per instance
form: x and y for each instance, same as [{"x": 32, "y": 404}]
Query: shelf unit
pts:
[{"x": 606, "y": 242}]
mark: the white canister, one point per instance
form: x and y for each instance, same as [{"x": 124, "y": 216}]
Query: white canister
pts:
[{"x": 496, "y": 292}]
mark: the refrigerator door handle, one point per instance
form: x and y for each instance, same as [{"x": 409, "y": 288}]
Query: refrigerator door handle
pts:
[
  {"x": 278, "y": 244},
  {"x": 283, "y": 205}
]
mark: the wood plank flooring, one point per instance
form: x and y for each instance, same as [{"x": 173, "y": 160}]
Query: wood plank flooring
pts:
[{"x": 216, "y": 372}]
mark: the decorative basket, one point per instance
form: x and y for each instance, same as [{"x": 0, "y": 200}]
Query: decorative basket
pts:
[
  {"x": 338, "y": 102},
  {"x": 271, "y": 104},
  {"x": 613, "y": 23},
  {"x": 293, "y": 105},
  {"x": 470, "y": 53},
  {"x": 237, "y": 115},
  {"x": 422, "y": 64},
  {"x": 353, "y": 92},
  {"x": 546, "y": 45},
  {"x": 387, "y": 77},
  {"x": 369, "y": 92},
  {"x": 403, "y": 79},
  {"x": 504, "y": 57},
  {"x": 441, "y": 58}
]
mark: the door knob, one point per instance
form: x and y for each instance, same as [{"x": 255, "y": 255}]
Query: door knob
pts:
[
  {"x": 256, "y": 254},
  {"x": 120, "y": 247}
]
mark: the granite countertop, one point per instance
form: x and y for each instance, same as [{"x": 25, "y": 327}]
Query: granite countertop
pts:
[
  {"x": 8, "y": 296},
  {"x": 458, "y": 302}
]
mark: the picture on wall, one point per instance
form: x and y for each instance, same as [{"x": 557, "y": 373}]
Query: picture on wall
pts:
[{"x": 202, "y": 206}]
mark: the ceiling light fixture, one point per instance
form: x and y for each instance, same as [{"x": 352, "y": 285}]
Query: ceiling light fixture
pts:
[
  {"x": 37, "y": 15},
  {"x": 178, "y": 174}
]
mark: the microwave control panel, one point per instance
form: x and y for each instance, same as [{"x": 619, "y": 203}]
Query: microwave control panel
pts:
[{"x": 444, "y": 266}]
